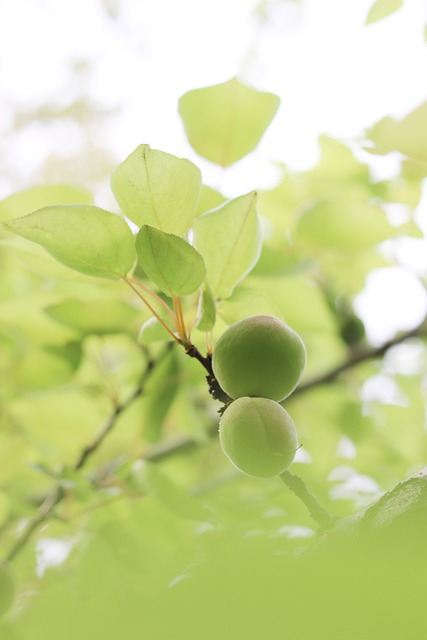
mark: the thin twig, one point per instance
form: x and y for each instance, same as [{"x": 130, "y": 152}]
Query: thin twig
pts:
[
  {"x": 57, "y": 494},
  {"x": 361, "y": 356}
]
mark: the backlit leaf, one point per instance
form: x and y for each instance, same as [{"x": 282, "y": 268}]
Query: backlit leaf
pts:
[
  {"x": 156, "y": 188},
  {"x": 409, "y": 135},
  {"x": 225, "y": 122},
  {"x": 343, "y": 226},
  {"x": 84, "y": 238},
  {"x": 24, "y": 202},
  {"x": 229, "y": 239},
  {"x": 381, "y": 9},
  {"x": 174, "y": 266},
  {"x": 151, "y": 331}
]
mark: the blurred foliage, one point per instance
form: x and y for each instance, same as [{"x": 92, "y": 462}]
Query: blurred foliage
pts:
[{"x": 158, "y": 535}]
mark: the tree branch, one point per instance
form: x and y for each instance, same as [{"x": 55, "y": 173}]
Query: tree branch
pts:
[
  {"x": 57, "y": 494},
  {"x": 358, "y": 357}
]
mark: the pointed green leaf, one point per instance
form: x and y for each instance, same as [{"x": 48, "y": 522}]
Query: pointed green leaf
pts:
[
  {"x": 174, "y": 266},
  {"x": 206, "y": 312},
  {"x": 229, "y": 239},
  {"x": 85, "y": 238},
  {"x": 225, "y": 122},
  {"x": 381, "y": 9},
  {"x": 24, "y": 202},
  {"x": 156, "y": 188}
]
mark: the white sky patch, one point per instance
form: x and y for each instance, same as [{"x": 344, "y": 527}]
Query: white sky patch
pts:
[{"x": 393, "y": 299}]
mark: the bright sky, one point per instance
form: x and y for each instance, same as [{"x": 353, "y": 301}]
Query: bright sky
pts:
[{"x": 333, "y": 74}]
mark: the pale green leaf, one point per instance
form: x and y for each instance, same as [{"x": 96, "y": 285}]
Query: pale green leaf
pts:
[
  {"x": 247, "y": 301},
  {"x": 342, "y": 226},
  {"x": 381, "y": 9},
  {"x": 160, "y": 393},
  {"x": 37, "y": 259},
  {"x": 229, "y": 239},
  {"x": 206, "y": 312},
  {"x": 156, "y": 188},
  {"x": 209, "y": 199},
  {"x": 409, "y": 135},
  {"x": 104, "y": 316},
  {"x": 174, "y": 266},
  {"x": 84, "y": 238},
  {"x": 225, "y": 122},
  {"x": 24, "y": 202},
  {"x": 152, "y": 331}
]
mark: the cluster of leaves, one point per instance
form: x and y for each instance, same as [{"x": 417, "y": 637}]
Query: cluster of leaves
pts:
[{"x": 93, "y": 313}]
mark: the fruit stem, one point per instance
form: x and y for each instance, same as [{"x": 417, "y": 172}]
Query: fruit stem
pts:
[
  {"x": 317, "y": 512},
  {"x": 153, "y": 311}
]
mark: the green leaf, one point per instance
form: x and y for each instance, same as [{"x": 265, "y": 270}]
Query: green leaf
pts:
[
  {"x": 156, "y": 188},
  {"x": 104, "y": 316},
  {"x": 38, "y": 260},
  {"x": 381, "y": 9},
  {"x": 174, "y": 266},
  {"x": 84, "y": 238},
  {"x": 160, "y": 393},
  {"x": 225, "y": 122},
  {"x": 209, "y": 199},
  {"x": 229, "y": 239},
  {"x": 24, "y": 202},
  {"x": 343, "y": 226},
  {"x": 172, "y": 495},
  {"x": 206, "y": 312},
  {"x": 409, "y": 135},
  {"x": 151, "y": 331}
]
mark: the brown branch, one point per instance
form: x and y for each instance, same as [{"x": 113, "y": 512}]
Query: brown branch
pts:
[
  {"x": 182, "y": 443},
  {"x": 358, "y": 357}
]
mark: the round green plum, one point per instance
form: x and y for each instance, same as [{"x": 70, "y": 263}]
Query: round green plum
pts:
[
  {"x": 7, "y": 588},
  {"x": 259, "y": 356},
  {"x": 258, "y": 436}
]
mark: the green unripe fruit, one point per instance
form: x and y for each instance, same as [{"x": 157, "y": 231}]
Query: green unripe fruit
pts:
[
  {"x": 7, "y": 588},
  {"x": 258, "y": 436},
  {"x": 259, "y": 356}
]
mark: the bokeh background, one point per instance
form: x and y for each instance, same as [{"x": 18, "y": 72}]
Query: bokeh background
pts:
[{"x": 82, "y": 82}]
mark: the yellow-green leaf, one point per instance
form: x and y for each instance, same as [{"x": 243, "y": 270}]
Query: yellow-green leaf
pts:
[
  {"x": 84, "y": 238},
  {"x": 229, "y": 239},
  {"x": 206, "y": 312},
  {"x": 225, "y": 122},
  {"x": 24, "y": 202},
  {"x": 343, "y": 226},
  {"x": 156, "y": 188},
  {"x": 381, "y": 9},
  {"x": 174, "y": 266}
]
